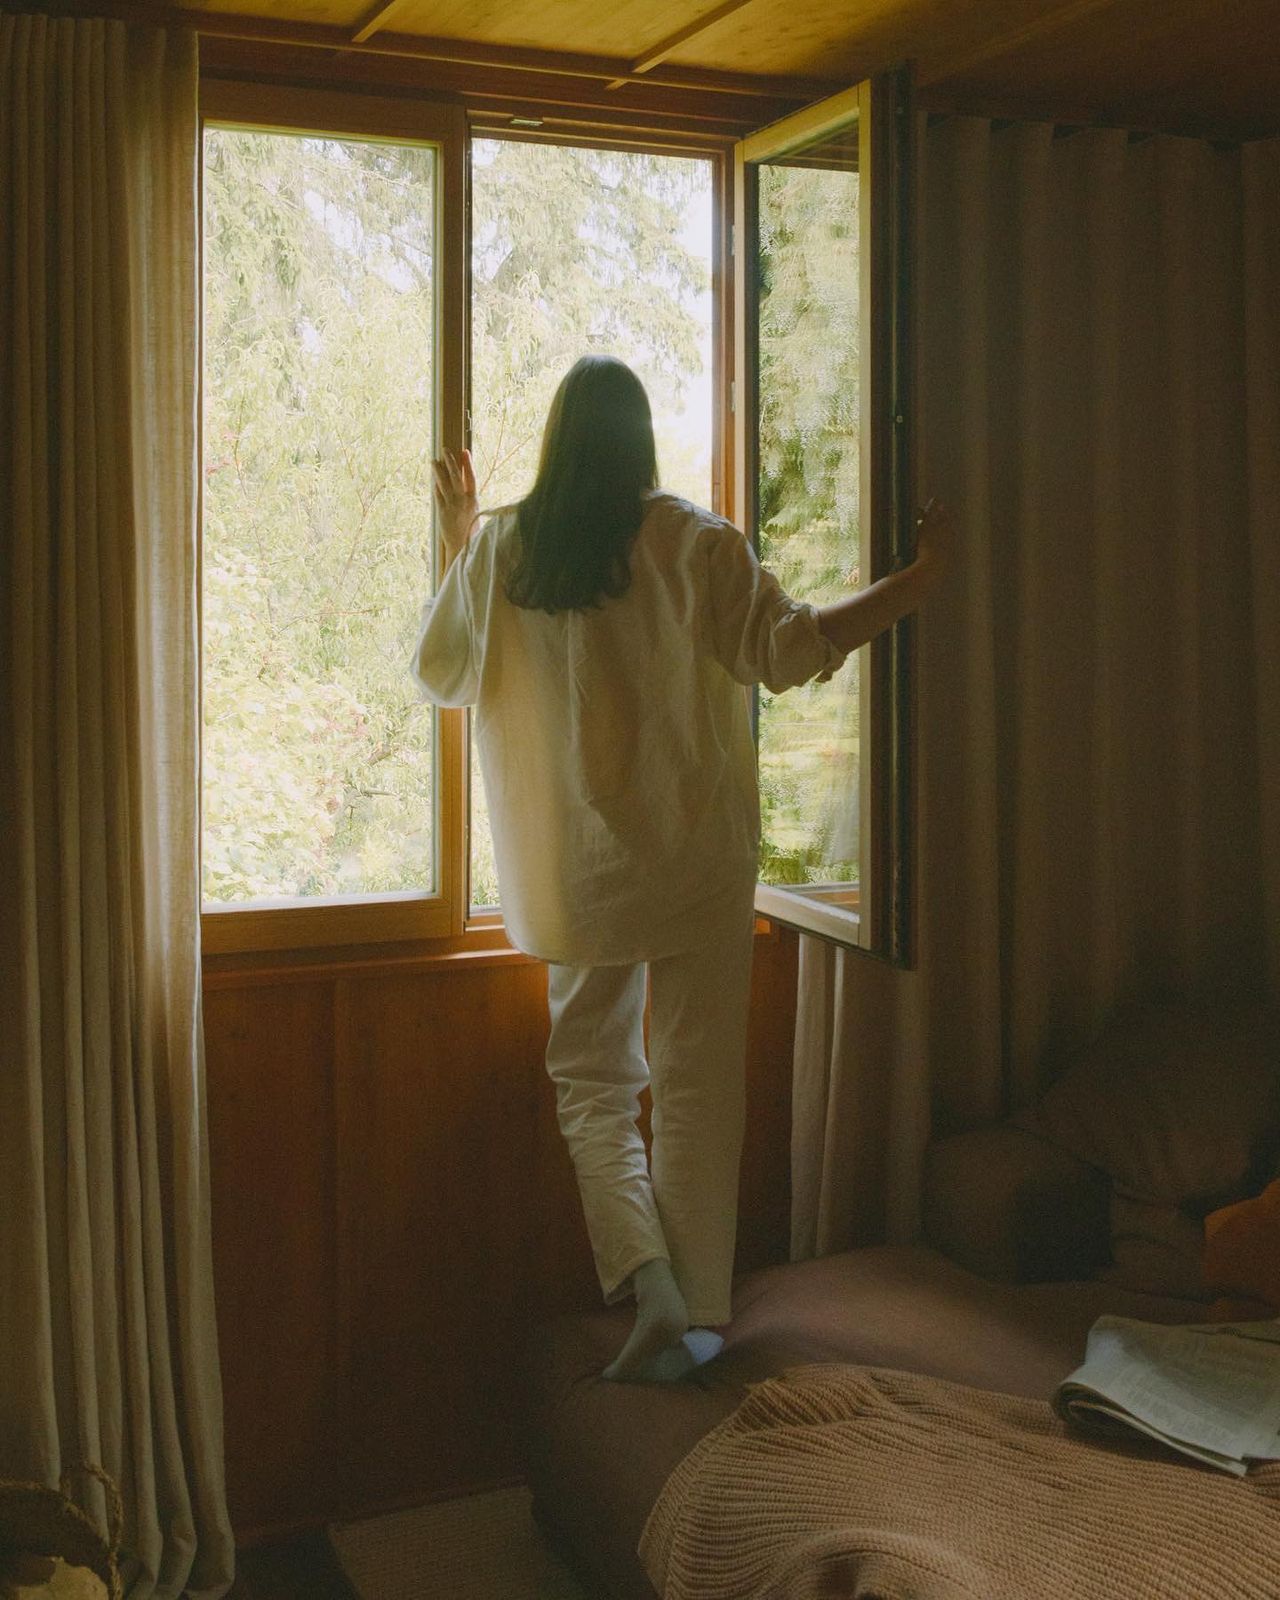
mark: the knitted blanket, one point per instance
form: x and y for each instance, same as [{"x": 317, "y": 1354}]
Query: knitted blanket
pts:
[{"x": 878, "y": 1485}]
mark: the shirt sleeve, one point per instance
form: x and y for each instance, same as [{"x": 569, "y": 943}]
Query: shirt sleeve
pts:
[
  {"x": 446, "y": 663},
  {"x": 759, "y": 633}
]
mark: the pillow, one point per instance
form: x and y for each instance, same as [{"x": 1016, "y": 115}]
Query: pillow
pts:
[
  {"x": 1242, "y": 1256},
  {"x": 1155, "y": 1249},
  {"x": 1180, "y": 1106}
]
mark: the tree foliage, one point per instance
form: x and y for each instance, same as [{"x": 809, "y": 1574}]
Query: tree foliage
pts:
[
  {"x": 320, "y": 308},
  {"x": 578, "y": 251},
  {"x": 809, "y": 443},
  {"x": 319, "y": 319},
  {"x": 318, "y": 407}
]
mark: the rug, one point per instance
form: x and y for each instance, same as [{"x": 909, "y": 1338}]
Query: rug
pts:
[{"x": 482, "y": 1547}]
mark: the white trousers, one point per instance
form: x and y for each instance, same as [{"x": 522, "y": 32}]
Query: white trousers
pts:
[{"x": 685, "y": 1210}]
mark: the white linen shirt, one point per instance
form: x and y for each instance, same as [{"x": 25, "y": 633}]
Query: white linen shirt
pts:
[{"x": 615, "y": 742}]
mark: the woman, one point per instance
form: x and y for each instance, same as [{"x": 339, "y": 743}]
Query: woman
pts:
[{"x": 604, "y": 631}]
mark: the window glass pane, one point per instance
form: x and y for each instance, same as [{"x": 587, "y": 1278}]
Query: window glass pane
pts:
[
  {"x": 808, "y": 521},
  {"x": 319, "y": 390},
  {"x": 575, "y": 252}
]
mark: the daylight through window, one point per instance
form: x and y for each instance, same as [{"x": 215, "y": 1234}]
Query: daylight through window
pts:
[
  {"x": 809, "y": 497},
  {"x": 319, "y": 404},
  {"x": 576, "y": 251}
]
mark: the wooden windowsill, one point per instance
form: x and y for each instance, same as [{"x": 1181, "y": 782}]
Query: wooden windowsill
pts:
[{"x": 483, "y": 944}]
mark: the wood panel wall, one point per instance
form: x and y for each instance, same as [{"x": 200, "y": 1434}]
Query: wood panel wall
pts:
[{"x": 393, "y": 1205}]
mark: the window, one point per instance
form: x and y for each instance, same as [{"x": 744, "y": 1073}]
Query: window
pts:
[
  {"x": 577, "y": 249},
  {"x": 809, "y": 490},
  {"x": 332, "y": 375},
  {"x": 361, "y": 314},
  {"x": 319, "y": 417},
  {"x": 823, "y": 488}
]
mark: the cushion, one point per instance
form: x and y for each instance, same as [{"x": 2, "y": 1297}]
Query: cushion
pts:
[
  {"x": 1180, "y": 1107},
  {"x": 1242, "y": 1255},
  {"x": 1015, "y": 1208}
]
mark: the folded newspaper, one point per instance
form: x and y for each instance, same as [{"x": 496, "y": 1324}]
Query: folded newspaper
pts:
[{"x": 1211, "y": 1391}]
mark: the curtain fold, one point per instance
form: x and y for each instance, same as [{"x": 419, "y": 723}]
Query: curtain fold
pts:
[
  {"x": 856, "y": 1136},
  {"x": 1261, "y": 162},
  {"x": 1099, "y": 743},
  {"x": 106, "y": 1309}
]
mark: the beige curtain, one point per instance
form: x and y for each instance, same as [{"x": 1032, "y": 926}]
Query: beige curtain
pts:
[
  {"x": 107, "y": 1339},
  {"x": 1099, "y": 744}
]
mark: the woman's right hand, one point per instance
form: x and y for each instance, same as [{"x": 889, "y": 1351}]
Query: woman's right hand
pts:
[{"x": 457, "y": 510}]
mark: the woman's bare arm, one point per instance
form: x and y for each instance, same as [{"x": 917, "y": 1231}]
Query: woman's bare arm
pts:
[{"x": 850, "y": 623}]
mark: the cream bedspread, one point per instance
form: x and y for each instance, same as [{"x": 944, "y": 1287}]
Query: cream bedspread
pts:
[{"x": 861, "y": 1482}]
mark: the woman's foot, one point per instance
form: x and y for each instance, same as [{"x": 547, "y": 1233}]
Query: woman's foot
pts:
[
  {"x": 662, "y": 1319},
  {"x": 678, "y": 1360}
]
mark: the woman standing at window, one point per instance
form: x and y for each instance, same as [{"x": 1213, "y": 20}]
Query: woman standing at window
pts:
[{"x": 604, "y": 631}]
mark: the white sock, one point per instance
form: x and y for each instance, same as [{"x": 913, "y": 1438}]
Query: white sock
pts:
[{"x": 662, "y": 1319}]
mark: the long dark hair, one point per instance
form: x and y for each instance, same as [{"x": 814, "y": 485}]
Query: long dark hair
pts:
[{"x": 576, "y": 524}]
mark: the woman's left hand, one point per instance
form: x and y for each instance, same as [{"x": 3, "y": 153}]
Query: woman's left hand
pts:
[
  {"x": 457, "y": 509},
  {"x": 935, "y": 539}
]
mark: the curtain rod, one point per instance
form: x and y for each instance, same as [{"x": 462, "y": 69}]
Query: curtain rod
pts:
[{"x": 1067, "y": 120}]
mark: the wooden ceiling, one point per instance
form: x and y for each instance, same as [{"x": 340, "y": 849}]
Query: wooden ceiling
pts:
[{"x": 1195, "y": 65}]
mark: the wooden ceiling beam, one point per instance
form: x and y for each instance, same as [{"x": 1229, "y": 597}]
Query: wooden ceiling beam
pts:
[
  {"x": 496, "y": 92},
  {"x": 374, "y": 18},
  {"x": 659, "y": 52},
  {"x": 420, "y": 47}
]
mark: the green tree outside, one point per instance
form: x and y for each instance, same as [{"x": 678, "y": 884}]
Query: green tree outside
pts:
[{"x": 319, "y": 370}]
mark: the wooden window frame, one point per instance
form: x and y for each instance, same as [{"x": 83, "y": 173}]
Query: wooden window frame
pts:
[
  {"x": 874, "y": 917},
  {"x": 485, "y": 125},
  {"x": 408, "y": 915},
  {"x": 412, "y": 926}
]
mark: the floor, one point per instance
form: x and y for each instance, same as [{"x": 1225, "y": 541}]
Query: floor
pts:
[
  {"x": 481, "y": 1547},
  {"x": 301, "y": 1568}
]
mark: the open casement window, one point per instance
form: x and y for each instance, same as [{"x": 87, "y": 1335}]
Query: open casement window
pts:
[
  {"x": 334, "y": 370},
  {"x": 823, "y": 487}
]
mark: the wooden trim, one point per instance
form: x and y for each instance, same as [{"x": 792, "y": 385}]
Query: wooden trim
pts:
[
  {"x": 453, "y": 332},
  {"x": 806, "y": 126},
  {"x": 906, "y": 497},
  {"x": 876, "y": 135},
  {"x": 742, "y": 507},
  {"x": 846, "y": 895},
  {"x": 303, "y": 925},
  {"x": 590, "y": 122},
  {"x": 723, "y": 324},
  {"x": 873, "y": 861},
  {"x": 483, "y": 944},
  {"x": 659, "y": 52},
  {"x": 584, "y": 134},
  {"x": 299, "y": 109},
  {"x": 822, "y": 918},
  {"x": 488, "y": 946}
]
